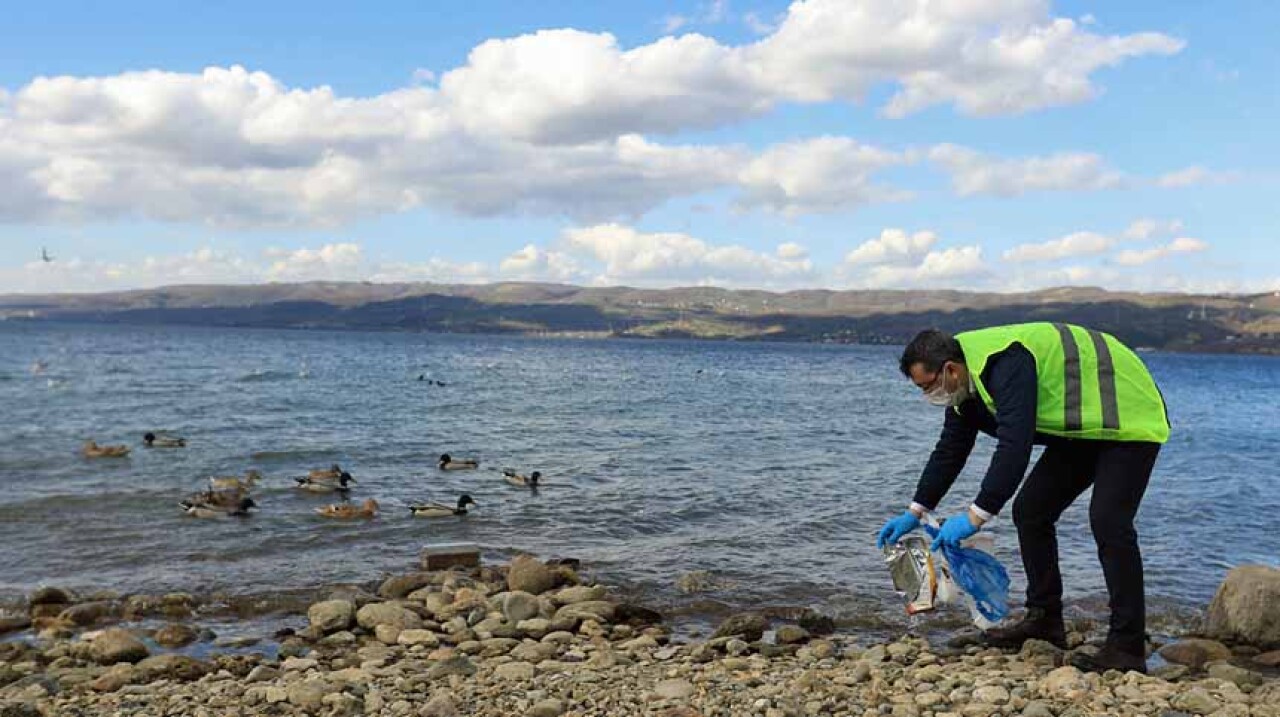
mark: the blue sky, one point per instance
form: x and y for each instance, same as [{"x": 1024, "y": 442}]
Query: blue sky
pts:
[{"x": 729, "y": 143}]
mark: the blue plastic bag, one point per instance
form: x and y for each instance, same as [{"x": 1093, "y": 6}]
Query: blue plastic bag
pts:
[{"x": 982, "y": 578}]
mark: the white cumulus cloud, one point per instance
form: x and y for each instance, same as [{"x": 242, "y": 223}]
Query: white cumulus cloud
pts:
[
  {"x": 973, "y": 172},
  {"x": 893, "y": 246},
  {"x": 1194, "y": 176},
  {"x": 1144, "y": 229},
  {"x": 818, "y": 175},
  {"x": 1071, "y": 245},
  {"x": 1181, "y": 245}
]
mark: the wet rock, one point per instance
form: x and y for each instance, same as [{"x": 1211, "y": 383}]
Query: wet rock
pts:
[
  {"x": 674, "y": 689},
  {"x": 518, "y": 606},
  {"x": 792, "y": 635},
  {"x": 1247, "y": 607},
  {"x": 172, "y": 667},
  {"x": 14, "y": 623},
  {"x": 51, "y": 596},
  {"x": 817, "y": 623},
  {"x": 1195, "y": 653},
  {"x": 633, "y": 614},
  {"x": 385, "y": 613},
  {"x": 117, "y": 645},
  {"x": 598, "y": 610},
  {"x": 399, "y": 586},
  {"x": 87, "y": 613},
  {"x": 577, "y": 594},
  {"x": 332, "y": 615},
  {"x": 175, "y": 635},
  {"x": 748, "y": 626},
  {"x": 527, "y": 574}
]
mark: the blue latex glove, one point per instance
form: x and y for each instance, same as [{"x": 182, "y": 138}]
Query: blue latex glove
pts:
[
  {"x": 896, "y": 528},
  {"x": 956, "y": 529}
]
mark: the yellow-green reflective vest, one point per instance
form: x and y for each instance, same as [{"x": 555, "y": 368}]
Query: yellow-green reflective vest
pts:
[{"x": 1090, "y": 385}]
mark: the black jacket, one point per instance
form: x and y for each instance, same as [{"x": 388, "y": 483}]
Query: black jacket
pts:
[{"x": 1010, "y": 376}]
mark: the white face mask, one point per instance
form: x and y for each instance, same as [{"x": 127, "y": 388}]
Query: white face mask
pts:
[{"x": 940, "y": 396}]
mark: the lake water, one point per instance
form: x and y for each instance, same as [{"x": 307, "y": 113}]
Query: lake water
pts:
[{"x": 771, "y": 465}]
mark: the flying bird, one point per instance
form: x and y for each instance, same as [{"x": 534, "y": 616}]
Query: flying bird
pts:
[{"x": 44, "y": 256}]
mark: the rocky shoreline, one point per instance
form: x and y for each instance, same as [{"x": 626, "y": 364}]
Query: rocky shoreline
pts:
[{"x": 531, "y": 639}]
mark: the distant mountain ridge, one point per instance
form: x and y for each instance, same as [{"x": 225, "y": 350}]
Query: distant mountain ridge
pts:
[{"x": 1222, "y": 322}]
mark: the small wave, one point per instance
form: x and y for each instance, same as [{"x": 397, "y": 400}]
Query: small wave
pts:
[
  {"x": 293, "y": 454},
  {"x": 261, "y": 376}
]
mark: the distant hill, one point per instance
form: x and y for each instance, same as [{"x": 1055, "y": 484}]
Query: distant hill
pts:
[{"x": 1181, "y": 322}]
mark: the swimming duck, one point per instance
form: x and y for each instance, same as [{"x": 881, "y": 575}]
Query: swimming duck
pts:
[
  {"x": 440, "y": 510},
  {"x": 92, "y": 450},
  {"x": 326, "y": 485},
  {"x": 203, "y": 510},
  {"x": 530, "y": 481},
  {"x": 223, "y": 499},
  {"x": 151, "y": 440},
  {"x": 251, "y": 478},
  {"x": 447, "y": 463},
  {"x": 333, "y": 472},
  {"x": 346, "y": 510}
]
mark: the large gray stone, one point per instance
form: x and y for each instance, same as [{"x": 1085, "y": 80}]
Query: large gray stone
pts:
[
  {"x": 87, "y": 613},
  {"x": 1194, "y": 652},
  {"x": 518, "y": 605},
  {"x": 332, "y": 616},
  {"x": 386, "y": 613},
  {"x": 117, "y": 645},
  {"x": 598, "y": 610},
  {"x": 749, "y": 626},
  {"x": 398, "y": 586},
  {"x": 528, "y": 574},
  {"x": 1246, "y": 607}
]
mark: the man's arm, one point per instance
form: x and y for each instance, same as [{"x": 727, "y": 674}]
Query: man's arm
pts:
[
  {"x": 1011, "y": 378},
  {"x": 945, "y": 463}
]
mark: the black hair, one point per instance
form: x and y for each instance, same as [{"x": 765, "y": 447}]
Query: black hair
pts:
[
  {"x": 150, "y": 437},
  {"x": 931, "y": 348}
]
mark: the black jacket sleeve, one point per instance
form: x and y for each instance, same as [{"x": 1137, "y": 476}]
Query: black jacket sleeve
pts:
[
  {"x": 947, "y": 460},
  {"x": 1011, "y": 379}
]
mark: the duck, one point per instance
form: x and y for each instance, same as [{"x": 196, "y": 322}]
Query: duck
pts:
[
  {"x": 151, "y": 440},
  {"x": 202, "y": 510},
  {"x": 246, "y": 484},
  {"x": 326, "y": 485},
  {"x": 440, "y": 510},
  {"x": 447, "y": 463},
  {"x": 91, "y": 449},
  {"x": 533, "y": 480},
  {"x": 368, "y": 509},
  {"x": 333, "y": 472},
  {"x": 224, "y": 499}
]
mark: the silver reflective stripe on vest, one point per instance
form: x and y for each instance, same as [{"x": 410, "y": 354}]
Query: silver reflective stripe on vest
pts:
[
  {"x": 1106, "y": 381},
  {"x": 1074, "y": 398}
]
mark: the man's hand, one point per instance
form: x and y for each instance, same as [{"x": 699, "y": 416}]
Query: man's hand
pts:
[
  {"x": 956, "y": 529},
  {"x": 896, "y": 528}
]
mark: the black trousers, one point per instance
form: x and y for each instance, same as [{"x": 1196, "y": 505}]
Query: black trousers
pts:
[{"x": 1119, "y": 472}]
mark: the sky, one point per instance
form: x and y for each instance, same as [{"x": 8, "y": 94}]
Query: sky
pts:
[{"x": 995, "y": 145}]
